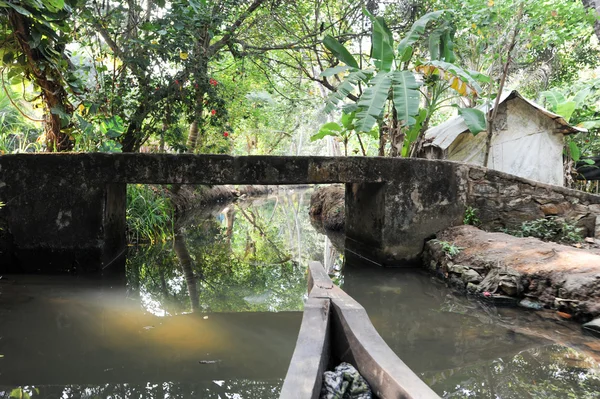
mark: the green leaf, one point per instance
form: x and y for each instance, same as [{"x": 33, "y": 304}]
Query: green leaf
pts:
[
  {"x": 413, "y": 133},
  {"x": 574, "y": 151},
  {"x": 580, "y": 97},
  {"x": 554, "y": 98},
  {"x": 54, "y": 5},
  {"x": 382, "y": 42},
  {"x": 328, "y": 129},
  {"x": 435, "y": 39},
  {"x": 590, "y": 124},
  {"x": 406, "y": 96},
  {"x": 417, "y": 29},
  {"x": 448, "y": 46},
  {"x": 20, "y": 9},
  {"x": 460, "y": 73},
  {"x": 479, "y": 77},
  {"x": 340, "y": 51},
  {"x": 566, "y": 109},
  {"x": 345, "y": 88},
  {"x": 347, "y": 120},
  {"x": 372, "y": 101},
  {"x": 334, "y": 71},
  {"x": 474, "y": 119},
  {"x": 588, "y": 161}
]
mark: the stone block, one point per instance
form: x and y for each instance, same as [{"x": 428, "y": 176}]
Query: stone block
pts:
[{"x": 476, "y": 174}]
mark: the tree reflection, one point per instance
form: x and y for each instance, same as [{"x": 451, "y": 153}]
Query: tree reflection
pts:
[
  {"x": 552, "y": 371},
  {"x": 251, "y": 256}
]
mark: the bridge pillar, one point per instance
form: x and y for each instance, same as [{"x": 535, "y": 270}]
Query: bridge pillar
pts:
[
  {"x": 60, "y": 225},
  {"x": 388, "y": 223}
]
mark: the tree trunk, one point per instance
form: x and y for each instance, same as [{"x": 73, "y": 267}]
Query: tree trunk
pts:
[
  {"x": 192, "y": 136},
  {"x": 54, "y": 94},
  {"x": 396, "y": 136},
  {"x": 381, "y": 141},
  {"x": 594, "y": 5}
]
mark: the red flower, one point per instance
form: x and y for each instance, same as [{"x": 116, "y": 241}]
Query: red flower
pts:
[
  {"x": 176, "y": 82},
  {"x": 225, "y": 134},
  {"x": 213, "y": 112},
  {"x": 213, "y": 82},
  {"x": 487, "y": 294}
]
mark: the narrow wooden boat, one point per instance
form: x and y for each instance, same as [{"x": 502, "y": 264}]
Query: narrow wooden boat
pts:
[{"x": 335, "y": 328}]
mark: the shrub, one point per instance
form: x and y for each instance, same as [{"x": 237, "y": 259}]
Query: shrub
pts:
[
  {"x": 149, "y": 214},
  {"x": 549, "y": 229},
  {"x": 471, "y": 216}
]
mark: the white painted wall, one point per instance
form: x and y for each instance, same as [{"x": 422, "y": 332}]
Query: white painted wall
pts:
[{"x": 525, "y": 146}]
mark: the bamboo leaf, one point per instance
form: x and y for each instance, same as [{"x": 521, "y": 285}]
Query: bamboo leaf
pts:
[
  {"x": 474, "y": 119},
  {"x": 372, "y": 101},
  {"x": 406, "y": 96},
  {"x": 340, "y": 51},
  {"x": 417, "y": 29}
]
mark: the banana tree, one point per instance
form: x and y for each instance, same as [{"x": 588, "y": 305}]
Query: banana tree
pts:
[
  {"x": 410, "y": 90},
  {"x": 343, "y": 131}
]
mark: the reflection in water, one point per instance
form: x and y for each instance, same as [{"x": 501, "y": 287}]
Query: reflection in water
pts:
[
  {"x": 216, "y": 313},
  {"x": 464, "y": 349}
]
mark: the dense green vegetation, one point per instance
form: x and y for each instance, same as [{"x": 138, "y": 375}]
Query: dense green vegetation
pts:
[{"x": 255, "y": 76}]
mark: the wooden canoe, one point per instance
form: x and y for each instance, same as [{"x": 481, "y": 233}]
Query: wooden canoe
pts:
[{"x": 335, "y": 328}]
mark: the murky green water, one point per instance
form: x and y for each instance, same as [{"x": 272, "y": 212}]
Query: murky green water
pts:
[{"x": 217, "y": 313}]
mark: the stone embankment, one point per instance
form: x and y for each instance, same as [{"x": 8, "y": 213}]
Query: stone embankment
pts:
[{"x": 510, "y": 270}]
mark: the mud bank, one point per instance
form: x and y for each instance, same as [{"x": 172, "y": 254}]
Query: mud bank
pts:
[{"x": 509, "y": 270}]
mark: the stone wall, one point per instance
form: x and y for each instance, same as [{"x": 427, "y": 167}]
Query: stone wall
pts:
[{"x": 506, "y": 201}]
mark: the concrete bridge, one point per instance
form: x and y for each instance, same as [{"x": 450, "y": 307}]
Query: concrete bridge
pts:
[{"x": 67, "y": 211}]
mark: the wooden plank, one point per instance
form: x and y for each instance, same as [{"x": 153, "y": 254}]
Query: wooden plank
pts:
[{"x": 311, "y": 356}]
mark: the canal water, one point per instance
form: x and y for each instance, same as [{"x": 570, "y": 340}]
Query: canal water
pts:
[{"x": 216, "y": 315}]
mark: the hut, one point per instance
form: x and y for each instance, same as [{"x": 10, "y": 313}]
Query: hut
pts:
[{"x": 528, "y": 141}]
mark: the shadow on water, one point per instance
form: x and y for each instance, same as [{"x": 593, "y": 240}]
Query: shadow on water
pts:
[{"x": 216, "y": 314}]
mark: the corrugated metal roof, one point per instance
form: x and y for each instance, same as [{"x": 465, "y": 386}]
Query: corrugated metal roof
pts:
[{"x": 444, "y": 134}]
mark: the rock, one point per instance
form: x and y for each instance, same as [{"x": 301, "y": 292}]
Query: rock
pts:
[
  {"x": 458, "y": 269},
  {"x": 471, "y": 276},
  {"x": 550, "y": 209},
  {"x": 590, "y": 240},
  {"x": 593, "y": 327},
  {"x": 471, "y": 288},
  {"x": 509, "y": 287},
  {"x": 531, "y": 304}
]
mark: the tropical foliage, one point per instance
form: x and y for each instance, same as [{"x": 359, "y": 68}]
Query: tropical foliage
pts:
[{"x": 392, "y": 82}]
